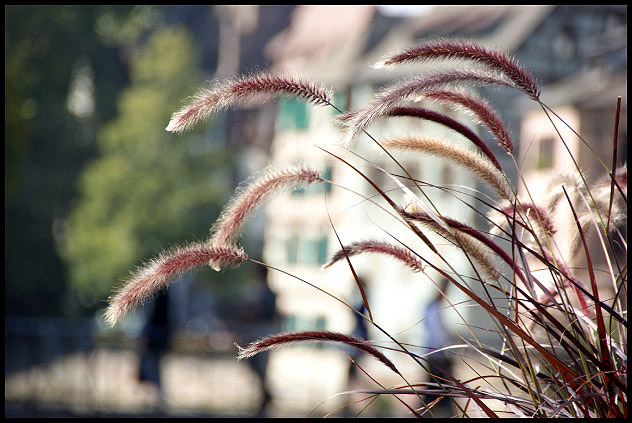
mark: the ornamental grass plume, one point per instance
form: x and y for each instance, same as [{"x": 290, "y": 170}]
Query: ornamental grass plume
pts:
[
  {"x": 528, "y": 215},
  {"x": 159, "y": 272},
  {"x": 483, "y": 113},
  {"x": 448, "y": 122},
  {"x": 250, "y": 195},
  {"x": 473, "y": 243},
  {"x": 450, "y": 152},
  {"x": 257, "y": 88},
  {"x": 358, "y": 121},
  {"x": 603, "y": 203},
  {"x": 372, "y": 246},
  {"x": 459, "y": 49},
  {"x": 274, "y": 341}
]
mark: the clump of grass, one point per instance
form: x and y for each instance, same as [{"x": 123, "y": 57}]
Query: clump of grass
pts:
[{"x": 564, "y": 344}]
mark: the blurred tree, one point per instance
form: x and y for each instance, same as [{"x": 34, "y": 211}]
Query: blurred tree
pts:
[
  {"x": 61, "y": 81},
  {"x": 149, "y": 189}
]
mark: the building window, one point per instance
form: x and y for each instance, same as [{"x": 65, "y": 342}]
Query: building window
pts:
[
  {"x": 289, "y": 323},
  {"x": 342, "y": 100},
  {"x": 545, "y": 154},
  {"x": 291, "y": 246},
  {"x": 321, "y": 323},
  {"x": 293, "y": 322},
  {"x": 293, "y": 114},
  {"x": 306, "y": 250}
]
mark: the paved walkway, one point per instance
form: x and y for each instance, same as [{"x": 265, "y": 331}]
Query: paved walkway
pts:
[{"x": 104, "y": 382}]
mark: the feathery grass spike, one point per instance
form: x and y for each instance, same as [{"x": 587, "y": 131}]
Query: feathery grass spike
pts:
[
  {"x": 158, "y": 273},
  {"x": 250, "y": 195},
  {"x": 494, "y": 59},
  {"x": 253, "y": 89}
]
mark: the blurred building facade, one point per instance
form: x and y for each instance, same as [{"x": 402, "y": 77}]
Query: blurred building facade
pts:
[
  {"x": 336, "y": 46},
  {"x": 578, "y": 55}
]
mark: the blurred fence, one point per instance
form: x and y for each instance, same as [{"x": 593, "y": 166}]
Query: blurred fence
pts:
[
  {"x": 38, "y": 341},
  {"x": 64, "y": 367}
]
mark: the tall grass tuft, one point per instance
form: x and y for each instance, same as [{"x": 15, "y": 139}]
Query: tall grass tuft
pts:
[{"x": 563, "y": 323}]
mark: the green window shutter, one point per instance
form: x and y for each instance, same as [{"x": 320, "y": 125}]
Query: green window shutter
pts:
[
  {"x": 322, "y": 250},
  {"x": 285, "y": 116},
  {"x": 326, "y": 187},
  {"x": 298, "y": 191},
  {"x": 290, "y": 322},
  {"x": 340, "y": 99},
  {"x": 309, "y": 251},
  {"x": 291, "y": 246},
  {"x": 301, "y": 117},
  {"x": 306, "y": 250},
  {"x": 293, "y": 114},
  {"x": 321, "y": 322}
]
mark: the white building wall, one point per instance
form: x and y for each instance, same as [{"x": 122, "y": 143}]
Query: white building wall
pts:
[{"x": 397, "y": 296}]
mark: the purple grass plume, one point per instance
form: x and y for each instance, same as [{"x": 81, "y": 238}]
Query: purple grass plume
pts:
[
  {"x": 466, "y": 50},
  {"x": 250, "y": 195},
  {"x": 273, "y": 341},
  {"x": 359, "y": 120},
  {"x": 524, "y": 214},
  {"x": 449, "y": 123},
  {"x": 245, "y": 90},
  {"x": 484, "y": 114},
  {"x": 158, "y": 273},
  {"x": 478, "y": 164},
  {"x": 380, "y": 247}
]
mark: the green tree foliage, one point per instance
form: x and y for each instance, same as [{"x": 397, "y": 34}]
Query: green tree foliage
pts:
[
  {"x": 149, "y": 188},
  {"x": 45, "y": 144}
]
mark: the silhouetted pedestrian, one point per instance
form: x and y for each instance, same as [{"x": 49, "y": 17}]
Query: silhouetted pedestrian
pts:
[
  {"x": 155, "y": 342},
  {"x": 439, "y": 362}
]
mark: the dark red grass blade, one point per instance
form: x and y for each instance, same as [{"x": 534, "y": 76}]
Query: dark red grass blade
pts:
[
  {"x": 614, "y": 159},
  {"x": 514, "y": 239},
  {"x": 388, "y": 200},
  {"x": 601, "y": 327},
  {"x": 475, "y": 398},
  {"x": 483, "y": 112},
  {"x": 569, "y": 375},
  {"x": 354, "y": 363},
  {"x": 522, "y": 78},
  {"x": 450, "y": 123},
  {"x": 355, "y": 276},
  {"x": 271, "y": 341}
]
